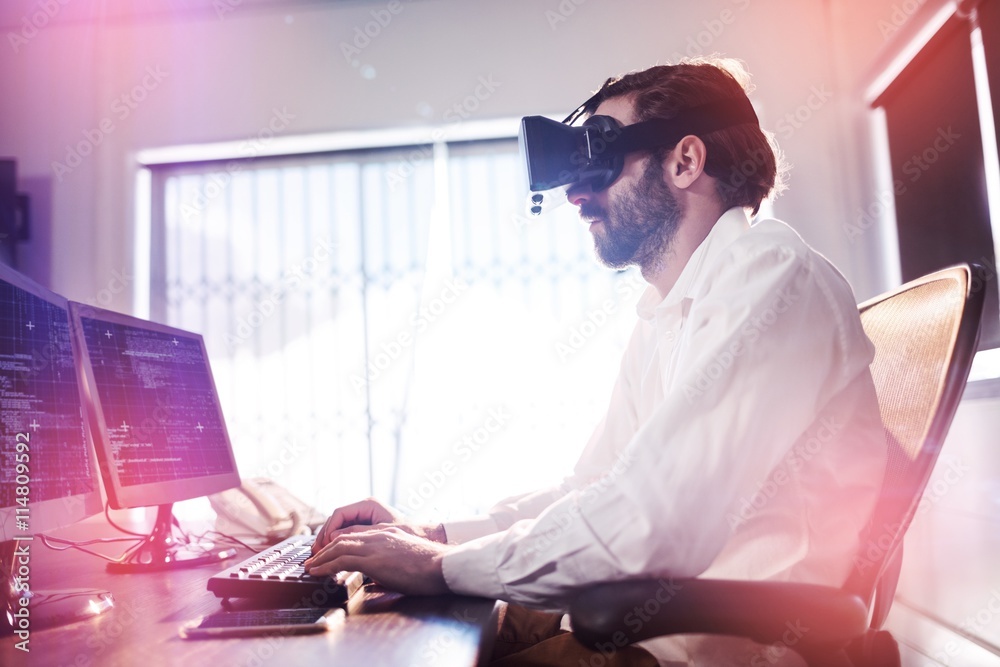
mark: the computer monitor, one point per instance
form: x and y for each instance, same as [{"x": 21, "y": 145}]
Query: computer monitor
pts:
[
  {"x": 48, "y": 473},
  {"x": 154, "y": 416}
]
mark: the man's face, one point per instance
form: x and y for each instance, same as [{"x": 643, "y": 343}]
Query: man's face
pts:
[{"x": 635, "y": 219}]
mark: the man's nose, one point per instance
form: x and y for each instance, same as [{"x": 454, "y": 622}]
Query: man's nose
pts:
[{"x": 579, "y": 194}]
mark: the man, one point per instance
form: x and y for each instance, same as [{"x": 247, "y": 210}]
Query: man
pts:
[{"x": 743, "y": 438}]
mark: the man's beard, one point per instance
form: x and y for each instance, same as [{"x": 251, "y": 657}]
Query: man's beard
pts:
[{"x": 639, "y": 226}]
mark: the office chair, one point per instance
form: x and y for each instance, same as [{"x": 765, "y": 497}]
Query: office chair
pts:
[{"x": 925, "y": 335}]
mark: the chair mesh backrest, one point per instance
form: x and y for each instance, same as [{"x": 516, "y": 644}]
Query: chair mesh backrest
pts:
[
  {"x": 914, "y": 334},
  {"x": 921, "y": 337}
]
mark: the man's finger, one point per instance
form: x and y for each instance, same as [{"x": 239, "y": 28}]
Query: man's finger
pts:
[
  {"x": 362, "y": 513},
  {"x": 326, "y": 561},
  {"x": 357, "y": 528},
  {"x": 359, "y": 513},
  {"x": 324, "y": 552},
  {"x": 322, "y": 538},
  {"x": 342, "y": 517},
  {"x": 338, "y": 563}
]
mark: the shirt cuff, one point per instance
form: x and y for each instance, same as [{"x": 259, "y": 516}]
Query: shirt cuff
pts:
[
  {"x": 470, "y": 568},
  {"x": 466, "y": 530}
]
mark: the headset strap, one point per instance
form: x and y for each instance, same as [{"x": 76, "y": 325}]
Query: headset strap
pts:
[
  {"x": 577, "y": 112},
  {"x": 661, "y": 132}
]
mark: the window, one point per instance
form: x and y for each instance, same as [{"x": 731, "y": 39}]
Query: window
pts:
[
  {"x": 387, "y": 321},
  {"x": 940, "y": 130}
]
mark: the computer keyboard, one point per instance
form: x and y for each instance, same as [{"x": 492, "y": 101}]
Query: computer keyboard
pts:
[{"x": 276, "y": 575}]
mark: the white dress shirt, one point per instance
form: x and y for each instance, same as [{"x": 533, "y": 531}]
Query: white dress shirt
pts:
[{"x": 742, "y": 441}]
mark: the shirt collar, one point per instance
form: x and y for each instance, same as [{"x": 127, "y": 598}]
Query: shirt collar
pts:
[{"x": 727, "y": 229}]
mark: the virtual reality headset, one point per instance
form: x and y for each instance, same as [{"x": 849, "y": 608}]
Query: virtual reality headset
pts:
[{"x": 559, "y": 155}]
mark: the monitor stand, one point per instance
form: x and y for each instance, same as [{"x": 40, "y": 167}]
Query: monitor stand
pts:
[
  {"x": 26, "y": 610},
  {"x": 160, "y": 551}
]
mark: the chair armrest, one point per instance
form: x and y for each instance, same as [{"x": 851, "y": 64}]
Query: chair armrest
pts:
[{"x": 765, "y": 611}]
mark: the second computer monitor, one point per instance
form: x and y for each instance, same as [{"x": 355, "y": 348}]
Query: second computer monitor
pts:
[{"x": 153, "y": 410}]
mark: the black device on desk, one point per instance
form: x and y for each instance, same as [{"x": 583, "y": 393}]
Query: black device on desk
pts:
[
  {"x": 282, "y": 622},
  {"x": 276, "y": 576}
]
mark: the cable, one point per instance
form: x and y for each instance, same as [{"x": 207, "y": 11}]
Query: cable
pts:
[
  {"x": 72, "y": 545},
  {"x": 230, "y": 538},
  {"x": 182, "y": 536},
  {"x": 107, "y": 515}
]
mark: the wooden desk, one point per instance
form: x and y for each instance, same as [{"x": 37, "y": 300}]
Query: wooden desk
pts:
[{"x": 381, "y": 628}]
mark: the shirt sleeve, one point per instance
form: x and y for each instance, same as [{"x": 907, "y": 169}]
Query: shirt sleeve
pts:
[
  {"x": 762, "y": 351},
  {"x": 503, "y": 515}
]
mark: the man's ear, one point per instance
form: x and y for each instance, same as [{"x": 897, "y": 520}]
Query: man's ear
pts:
[{"x": 686, "y": 161}]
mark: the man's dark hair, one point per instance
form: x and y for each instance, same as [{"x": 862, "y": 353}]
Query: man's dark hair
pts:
[{"x": 744, "y": 160}]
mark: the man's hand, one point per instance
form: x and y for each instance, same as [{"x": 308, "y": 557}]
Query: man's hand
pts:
[
  {"x": 360, "y": 516},
  {"x": 393, "y": 557},
  {"x": 367, "y": 512}
]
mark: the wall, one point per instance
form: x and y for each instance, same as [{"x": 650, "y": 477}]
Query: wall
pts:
[{"x": 947, "y": 607}]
